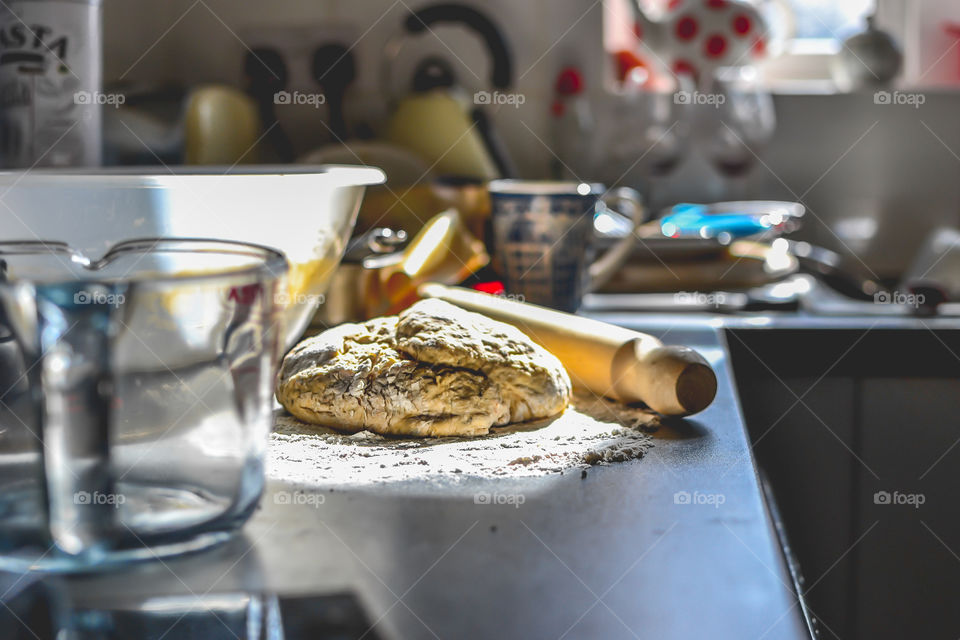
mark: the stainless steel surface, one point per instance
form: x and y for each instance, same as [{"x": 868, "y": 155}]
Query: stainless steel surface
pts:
[
  {"x": 840, "y": 272},
  {"x": 937, "y": 262},
  {"x": 784, "y": 295},
  {"x": 306, "y": 212},
  {"x": 611, "y": 555},
  {"x": 797, "y": 579},
  {"x": 376, "y": 242}
]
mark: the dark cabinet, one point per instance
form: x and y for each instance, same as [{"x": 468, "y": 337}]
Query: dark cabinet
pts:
[{"x": 858, "y": 432}]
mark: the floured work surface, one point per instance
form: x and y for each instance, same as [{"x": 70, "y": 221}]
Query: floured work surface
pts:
[{"x": 592, "y": 431}]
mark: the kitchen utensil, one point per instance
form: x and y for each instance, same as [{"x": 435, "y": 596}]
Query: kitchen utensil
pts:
[
  {"x": 743, "y": 264},
  {"x": 699, "y": 231},
  {"x": 375, "y": 242},
  {"x": 501, "y": 74},
  {"x": 823, "y": 300},
  {"x": 779, "y": 296},
  {"x": 871, "y": 58},
  {"x": 334, "y": 69},
  {"x": 842, "y": 274},
  {"x": 690, "y": 220},
  {"x": 307, "y": 212},
  {"x": 543, "y": 234},
  {"x": 443, "y": 251},
  {"x": 221, "y": 127},
  {"x": 138, "y": 397},
  {"x": 498, "y": 150},
  {"x": 603, "y": 358},
  {"x": 266, "y": 76},
  {"x": 357, "y": 279},
  {"x": 725, "y": 222},
  {"x": 937, "y": 263},
  {"x": 435, "y": 123},
  {"x": 461, "y": 139}
]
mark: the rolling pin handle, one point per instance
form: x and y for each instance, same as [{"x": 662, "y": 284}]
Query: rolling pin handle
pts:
[{"x": 671, "y": 380}]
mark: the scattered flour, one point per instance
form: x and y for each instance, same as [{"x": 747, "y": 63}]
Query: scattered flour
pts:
[{"x": 592, "y": 431}]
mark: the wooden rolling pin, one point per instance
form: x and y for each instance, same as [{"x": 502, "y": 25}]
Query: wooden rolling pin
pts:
[{"x": 603, "y": 358}]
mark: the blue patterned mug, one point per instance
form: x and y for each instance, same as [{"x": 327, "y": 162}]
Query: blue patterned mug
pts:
[{"x": 543, "y": 238}]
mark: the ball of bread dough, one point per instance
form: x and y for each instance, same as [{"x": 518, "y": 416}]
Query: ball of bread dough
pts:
[{"x": 434, "y": 370}]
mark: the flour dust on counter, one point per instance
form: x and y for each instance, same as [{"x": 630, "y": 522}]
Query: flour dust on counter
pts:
[{"x": 593, "y": 431}]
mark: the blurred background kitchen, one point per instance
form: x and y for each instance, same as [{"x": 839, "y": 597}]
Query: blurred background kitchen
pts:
[{"x": 876, "y": 178}]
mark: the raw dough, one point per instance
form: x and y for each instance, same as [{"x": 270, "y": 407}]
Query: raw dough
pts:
[{"x": 436, "y": 370}]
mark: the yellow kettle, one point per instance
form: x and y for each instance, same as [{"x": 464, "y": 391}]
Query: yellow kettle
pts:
[{"x": 435, "y": 123}]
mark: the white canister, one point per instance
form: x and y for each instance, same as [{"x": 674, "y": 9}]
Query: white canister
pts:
[{"x": 50, "y": 83}]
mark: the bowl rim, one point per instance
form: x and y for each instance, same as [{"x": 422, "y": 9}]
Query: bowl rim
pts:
[{"x": 147, "y": 176}]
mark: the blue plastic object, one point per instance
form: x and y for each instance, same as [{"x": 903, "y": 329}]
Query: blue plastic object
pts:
[{"x": 686, "y": 220}]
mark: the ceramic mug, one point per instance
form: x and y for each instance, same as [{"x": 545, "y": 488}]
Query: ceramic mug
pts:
[{"x": 543, "y": 238}]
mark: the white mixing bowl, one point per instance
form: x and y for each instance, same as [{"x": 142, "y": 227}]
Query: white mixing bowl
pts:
[{"x": 306, "y": 212}]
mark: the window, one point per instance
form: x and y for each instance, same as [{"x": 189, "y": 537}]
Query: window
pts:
[
  {"x": 829, "y": 19},
  {"x": 820, "y": 26},
  {"x": 811, "y": 32},
  {"x": 804, "y": 36}
]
